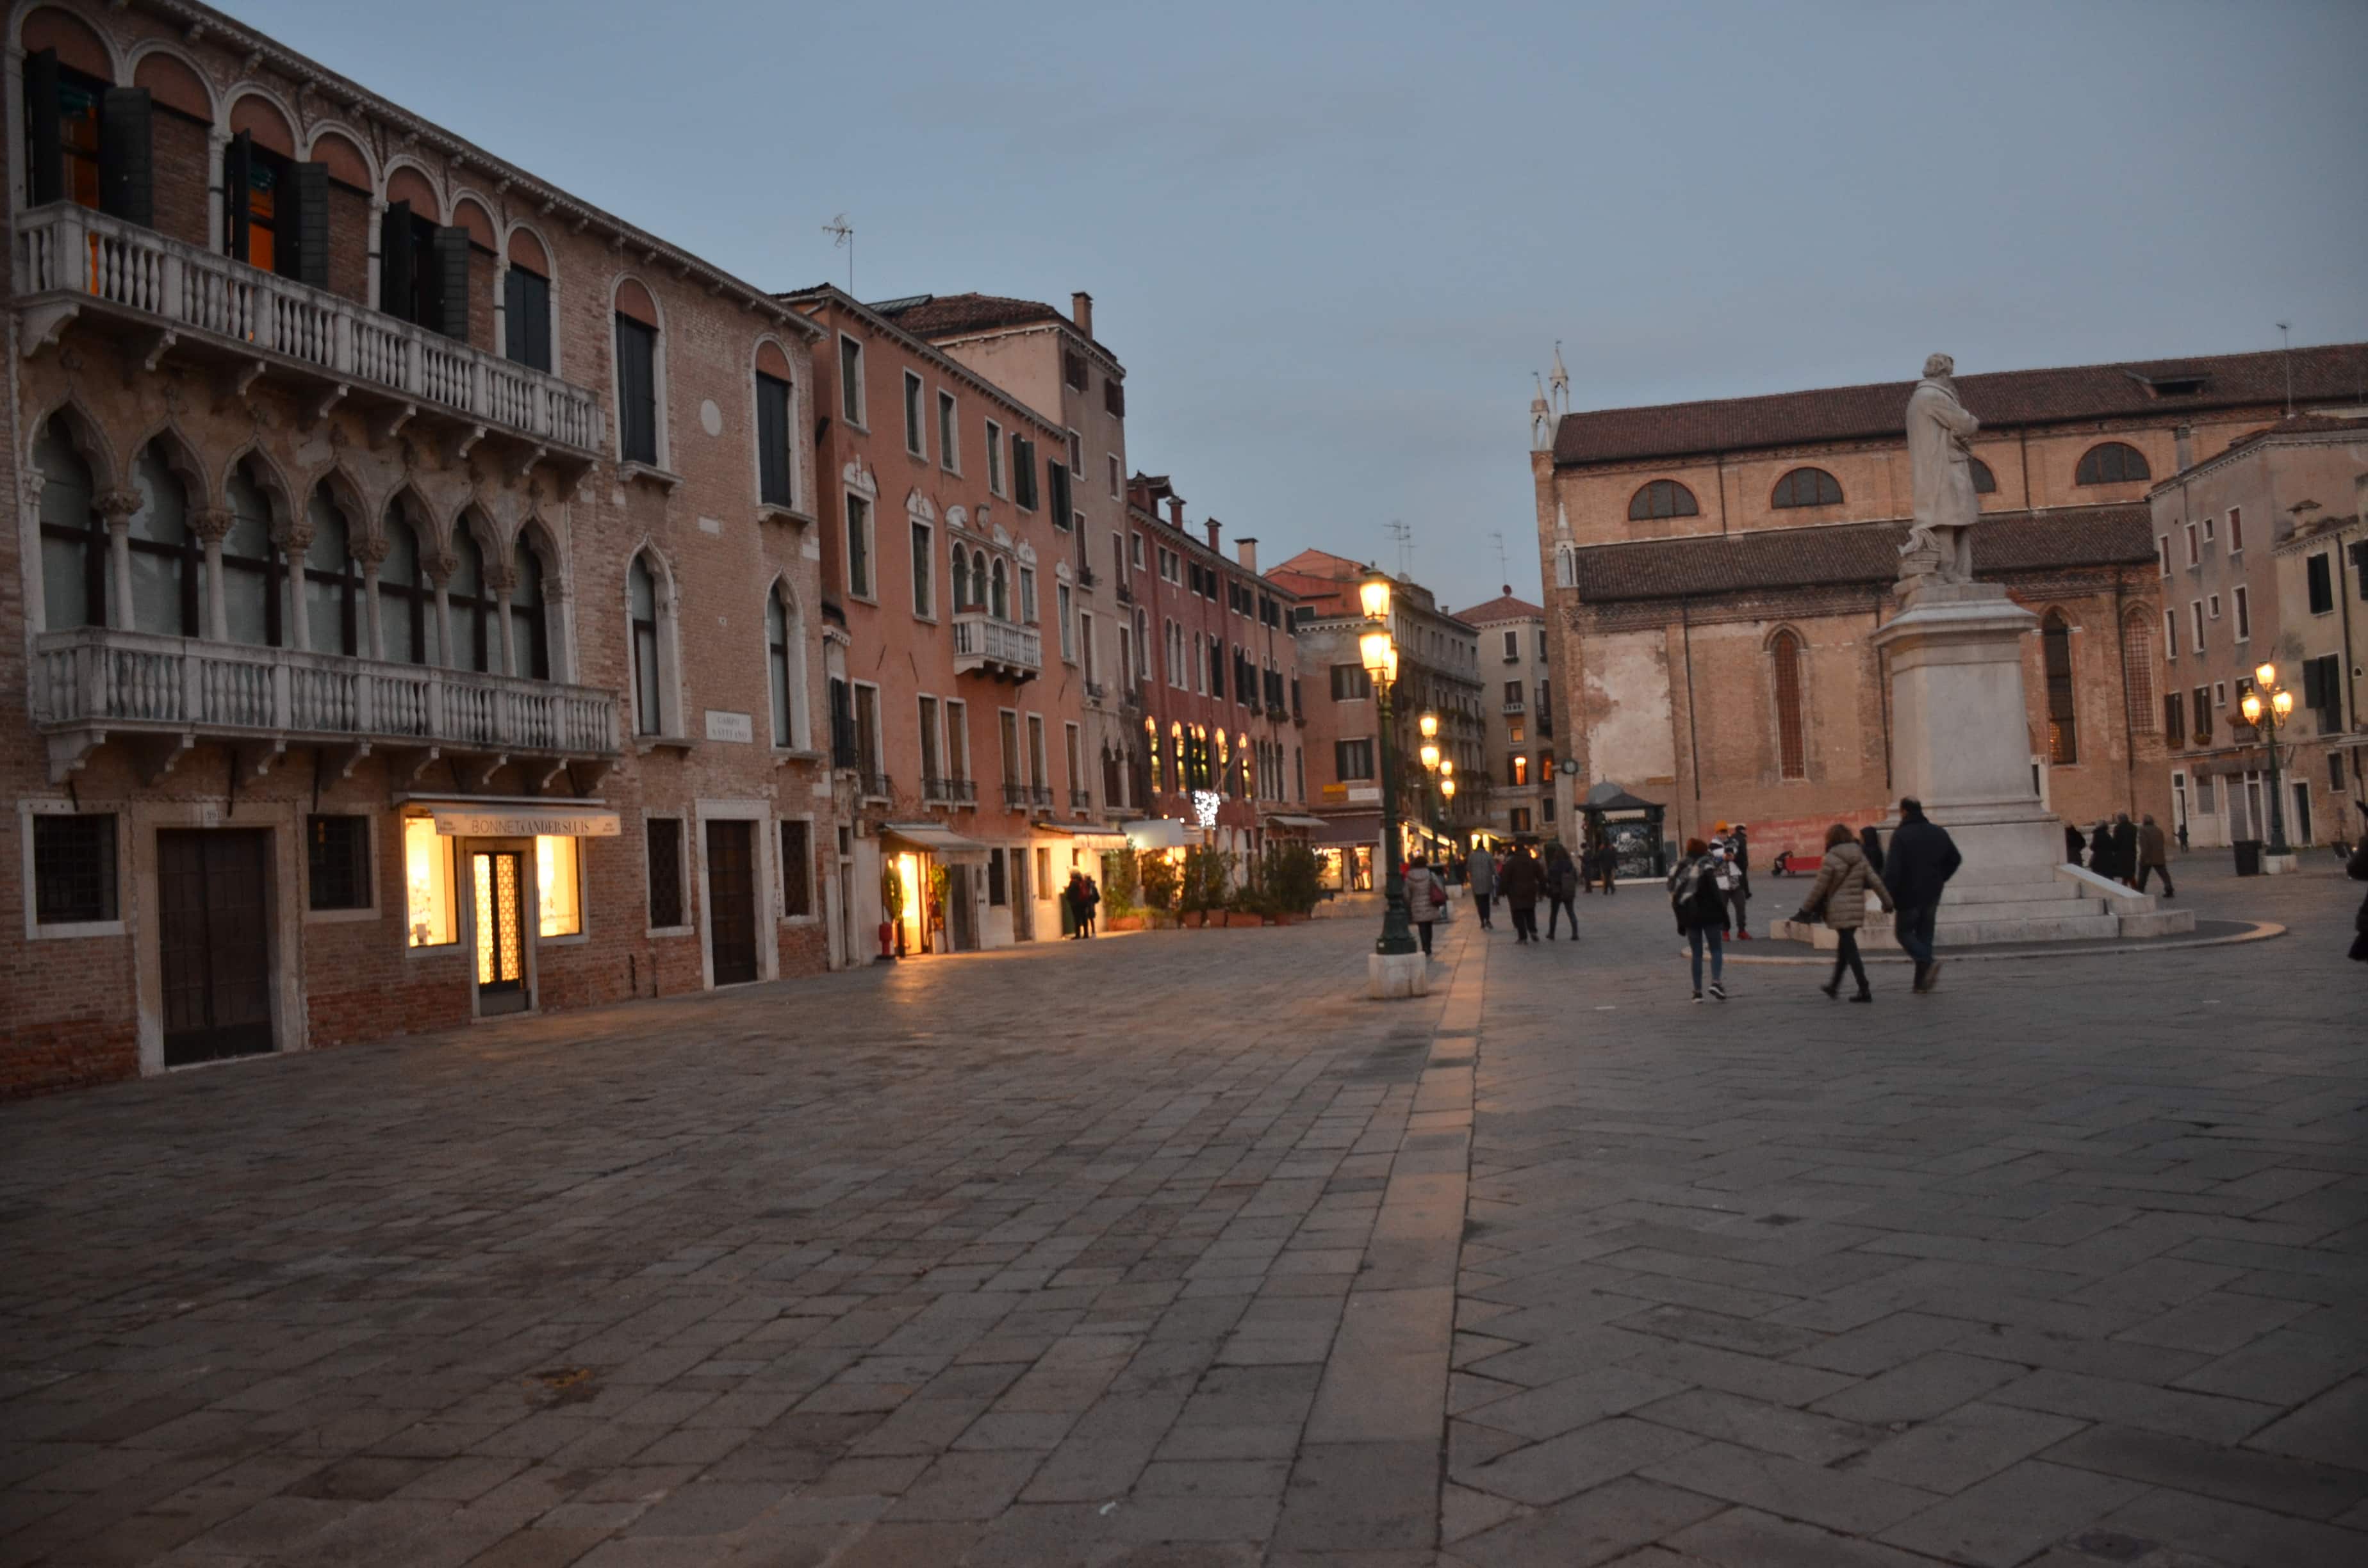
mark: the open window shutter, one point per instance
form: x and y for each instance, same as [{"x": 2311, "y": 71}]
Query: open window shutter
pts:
[
  {"x": 238, "y": 173},
  {"x": 308, "y": 223},
  {"x": 394, "y": 260},
  {"x": 127, "y": 156},
  {"x": 449, "y": 314},
  {"x": 48, "y": 151}
]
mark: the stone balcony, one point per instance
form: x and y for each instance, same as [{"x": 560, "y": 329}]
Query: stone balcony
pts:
[
  {"x": 161, "y": 696},
  {"x": 986, "y": 644},
  {"x": 74, "y": 264}
]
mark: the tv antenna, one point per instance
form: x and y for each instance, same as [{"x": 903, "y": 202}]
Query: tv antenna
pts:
[
  {"x": 1502, "y": 570},
  {"x": 2285, "y": 340},
  {"x": 843, "y": 237},
  {"x": 1403, "y": 532}
]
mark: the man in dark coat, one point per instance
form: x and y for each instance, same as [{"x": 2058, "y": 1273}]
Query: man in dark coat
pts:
[
  {"x": 1923, "y": 860},
  {"x": 2154, "y": 857},
  {"x": 2125, "y": 848},
  {"x": 1521, "y": 880}
]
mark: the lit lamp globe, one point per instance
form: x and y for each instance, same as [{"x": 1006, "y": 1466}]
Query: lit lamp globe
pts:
[
  {"x": 1447, "y": 768},
  {"x": 1429, "y": 724},
  {"x": 2252, "y": 707},
  {"x": 2283, "y": 703},
  {"x": 1374, "y": 649},
  {"x": 2266, "y": 674},
  {"x": 1430, "y": 755},
  {"x": 1374, "y": 594},
  {"x": 1447, "y": 787},
  {"x": 1390, "y": 667}
]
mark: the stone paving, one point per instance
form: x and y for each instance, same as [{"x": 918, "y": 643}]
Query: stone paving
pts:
[{"x": 1172, "y": 1252}]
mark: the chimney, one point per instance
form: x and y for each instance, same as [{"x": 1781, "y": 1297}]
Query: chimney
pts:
[
  {"x": 1081, "y": 310},
  {"x": 1212, "y": 526},
  {"x": 1246, "y": 552},
  {"x": 1176, "y": 510}
]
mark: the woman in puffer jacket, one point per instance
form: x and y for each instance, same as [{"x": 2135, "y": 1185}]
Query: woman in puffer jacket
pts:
[{"x": 1840, "y": 898}]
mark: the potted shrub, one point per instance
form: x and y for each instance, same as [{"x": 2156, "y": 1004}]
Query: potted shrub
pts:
[{"x": 1156, "y": 877}]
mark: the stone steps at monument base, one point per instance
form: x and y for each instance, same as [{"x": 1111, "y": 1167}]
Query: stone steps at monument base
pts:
[
  {"x": 1974, "y": 894},
  {"x": 1974, "y": 932},
  {"x": 1950, "y": 915}
]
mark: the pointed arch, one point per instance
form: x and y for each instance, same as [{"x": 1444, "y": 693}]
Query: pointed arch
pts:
[
  {"x": 471, "y": 609},
  {"x": 73, "y": 541},
  {"x": 650, "y": 640},
  {"x": 785, "y": 663},
  {"x": 334, "y": 525},
  {"x": 168, "y": 557},
  {"x": 1787, "y": 686},
  {"x": 90, "y": 441},
  {"x": 178, "y": 453},
  {"x": 2137, "y": 671},
  {"x": 2056, "y": 656}
]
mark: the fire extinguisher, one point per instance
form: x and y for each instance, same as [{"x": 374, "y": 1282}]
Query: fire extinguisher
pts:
[{"x": 887, "y": 938}]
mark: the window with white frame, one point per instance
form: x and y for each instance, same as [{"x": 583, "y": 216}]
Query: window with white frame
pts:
[
  {"x": 776, "y": 450},
  {"x": 2195, "y": 614},
  {"x": 1028, "y": 595},
  {"x": 2236, "y": 529},
  {"x": 949, "y": 433},
  {"x": 76, "y": 872},
  {"x": 2195, "y": 546},
  {"x": 932, "y": 780},
  {"x": 858, "y": 546},
  {"x": 993, "y": 458},
  {"x": 2170, "y": 634},
  {"x": 785, "y": 666},
  {"x": 1038, "y": 769},
  {"x": 2207, "y": 529},
  {"x": 1068, "y": 637},
  {"x": 850, "y": 381},
  {"x": 1113, "y": 476},
  {"x": 957, "y": 740},
  {"x": 917, "y": 432},
  {"x": 1134, "y": 551},
  {"x": 1077, "y": 456},
  {"x": 1072, "y": 754},
  {"x": 867, "y": 738},
  {"x": 2243, "y": 615},
  {"x": 647, "y": 610},
  {"x": 1086, "y": 647},
  {"x": 924, "y": 577},
  {"x": 2162, "y": 553}
]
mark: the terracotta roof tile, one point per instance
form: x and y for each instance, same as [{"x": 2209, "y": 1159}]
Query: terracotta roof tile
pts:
[
  {"x": 1853, "y": 553},
  {"x": 2332, "y": 371},
  {"x": 953, "y": 315},
  {"x": 1505, "y": 606}
]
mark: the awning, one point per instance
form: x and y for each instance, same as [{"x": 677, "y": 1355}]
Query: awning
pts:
[
  {"x": 1366, "y": 827},
  {"x": 1083, "y": 836},
  {"x": 495, "y": 820},
  {"x": 1155, "y": 832},
  {"x": 938, "y": 839},
  {"x": 1282, "y": 819}
]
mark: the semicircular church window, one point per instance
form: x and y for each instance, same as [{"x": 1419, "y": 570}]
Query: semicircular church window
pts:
[
  {"x": 1662, "y": 498},
  {"x": 2112, "y": 462},
  {"x": 1984, "y": 482},
  {"x": 1809, "y": 487}
]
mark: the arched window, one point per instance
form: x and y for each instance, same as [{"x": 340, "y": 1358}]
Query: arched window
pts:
[
  {"x": 962, "y": 579},
  {"x": 255, "y": 570},
  {"x": 1809, "y": 487},
  {"x": 642, "y": 596},
  {"x": 167, "y": 558},
  {"x": 73, "y": 541},
  {"x": 1151, "y": 733},
  {"x": 2111, "y": 463},
  {"x": 2137, "y": 664},
  {"x": 1662, "y": 498},
  {"x": 407, "y": 600},
  {"x": 784, "y": 661},
  {"x": 999, "y": 593},
  {"x": 1792, "y": 750},
  {"x": 2063, "y": 731},
  {"x": 529, "y": 626},
  {"x": 333, "y": 579},
  {"x": 473, "y": 627},
  {"x": 640, "y": 428},
  {"x": 1984, "y": 482}
]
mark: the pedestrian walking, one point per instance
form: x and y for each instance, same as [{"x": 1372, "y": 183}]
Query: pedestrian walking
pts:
[
  {"x": 1870, "y": 843},
  {"x": 1699, "y": 905},
  {"x": 1923, "y": 857},
  {"x": 1739, "y": 895},
  {"x": 2357, "y": 868},
  {"x": 1607, "y": 861},
  {"x": 1521, "y": 879},
  {"x": 2101, "y": 849},
  {"x": 1090, "y": 906},
  {"x": 2153, "y": 857},
  {"x": 1425, "y": 896},
  {"x": 2126, "y": 849},
  {"x": 1073, "y": 899},
  {"x": 2075, "y": 846},
  {"x": 1480, "y": 872},
  {"x": 1562, "y": 889},
  {"x": 1839, "y": 898}
]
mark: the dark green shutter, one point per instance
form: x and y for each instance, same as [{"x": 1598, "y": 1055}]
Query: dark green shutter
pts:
[
  {"x": 238, "y": 176},
  {"x": 394, "y": 260},
  {"x": 49, "y": 152},
  {"x": 305, "y": 223},
  {"x": 446, "y": 307},
  {"x": 1056, "y": 478},
  {"x": 127, "y": 156}
]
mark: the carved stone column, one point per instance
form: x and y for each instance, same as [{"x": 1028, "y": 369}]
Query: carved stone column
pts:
[
  {"x": 212, "y": 525},
  {"x": 297, "y": 541},
  {"x": 439, "y": 569},
  {"x": 370, "y": 551},
  {"x": 501, "y": 582},
  {"x": 117, "y": 508}
]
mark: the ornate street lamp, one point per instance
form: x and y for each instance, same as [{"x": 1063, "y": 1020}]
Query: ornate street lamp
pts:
[
  {"x": 1380, "y": 654},
  {"x": 2268, "y": 717}
]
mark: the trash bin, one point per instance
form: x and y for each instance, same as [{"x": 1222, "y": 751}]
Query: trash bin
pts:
[{"x": 2248, "y": 857}]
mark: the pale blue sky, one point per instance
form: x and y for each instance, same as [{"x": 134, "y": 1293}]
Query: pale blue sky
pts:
[{"x": 1331, "y": 242}]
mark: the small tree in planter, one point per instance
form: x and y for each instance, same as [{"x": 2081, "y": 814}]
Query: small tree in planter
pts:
[
  {"x": 1293, "y": 879},
  {"x": 1159, "y": 881},
  {"x": 1122, "y": 890},
  {"x": 1208, "y": 877}
]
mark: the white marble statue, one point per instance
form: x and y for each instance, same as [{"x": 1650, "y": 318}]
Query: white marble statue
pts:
[{"x": 1940, "y": 437}]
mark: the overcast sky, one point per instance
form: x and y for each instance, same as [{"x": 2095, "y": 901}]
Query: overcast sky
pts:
[{"x": 1331, "y": 243}]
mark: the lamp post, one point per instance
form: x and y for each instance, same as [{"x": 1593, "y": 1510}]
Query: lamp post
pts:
[
  {"x": 2268, "y": 717},
  {"x": 1379, "y": 653},
  {"x": 1429, "y": 726}
]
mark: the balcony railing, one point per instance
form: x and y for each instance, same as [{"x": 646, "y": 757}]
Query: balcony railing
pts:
[
  {"x": 1095, "y": 691},
  {"x": 874, "y": 785},
  {"x": 949, "y": 791},
  {"x": 78, "y": 257},
  {"x": 1516, "y": 706},
  {"x": 1081, "y": 800},
  {"x": 1041, "y": 795},
  {"x": 1003, "y": 649},
  {"x": 1016, "y": 797},
  {"x": 95, "y": 681}
]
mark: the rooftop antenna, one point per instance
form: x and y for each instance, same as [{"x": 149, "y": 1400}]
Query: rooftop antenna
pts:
[
  {"x": 2285, "y": 338},
  {"x": 1502, "y": 570},
  {"x": 843, "y": 235},
  {"x": 1404, "y": 533}
]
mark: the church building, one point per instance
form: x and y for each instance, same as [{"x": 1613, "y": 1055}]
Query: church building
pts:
[{"x": 1717, "y": 571}]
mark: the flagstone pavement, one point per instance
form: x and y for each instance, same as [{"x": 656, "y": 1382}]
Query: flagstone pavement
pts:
[{"x": 1171, "y": 1250}]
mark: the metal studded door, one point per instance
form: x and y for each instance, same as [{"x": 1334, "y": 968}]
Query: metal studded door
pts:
[
  {"x": 214, "y": 931},
  {"x": 497, "y": 885},
  {"x": 731, "y": 900}
]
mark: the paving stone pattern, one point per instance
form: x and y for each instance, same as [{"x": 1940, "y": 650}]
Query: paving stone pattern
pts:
[{"x": 1173, "y": 1251}]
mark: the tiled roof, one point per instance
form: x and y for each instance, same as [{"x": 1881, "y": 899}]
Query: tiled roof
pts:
[
  {"x": 1505, "y": 606},
  {"x": 953, "y": 315},
  {"x": 1853, "y": 553},
  {"x": 2300, "y": 424},
  {"x": 2332, "y": 371}
]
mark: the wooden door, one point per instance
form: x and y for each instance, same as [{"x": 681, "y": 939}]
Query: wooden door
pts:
[
  {"x": 731, "y": 900},
  {"x": 497, "y": 881},
  {"x": 214, "y": 923},
  {"x": 962, "y": 914}
]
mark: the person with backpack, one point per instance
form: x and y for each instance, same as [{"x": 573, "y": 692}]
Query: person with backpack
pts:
[
  {"x": 1425, "y": 896},
  {"x": 1838, "y": 897},
  {"x": 1699, "y": 904},
  {"x": 1562, "y": 890}
]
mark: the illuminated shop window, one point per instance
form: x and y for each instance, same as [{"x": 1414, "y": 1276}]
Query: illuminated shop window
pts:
[
  {"x": 427, "y": 882},
  {"x": 558, "y": 887}
]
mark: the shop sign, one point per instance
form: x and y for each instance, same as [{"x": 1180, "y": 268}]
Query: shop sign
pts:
[{"x": 527, "y": 823}]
